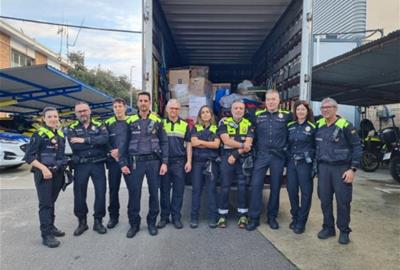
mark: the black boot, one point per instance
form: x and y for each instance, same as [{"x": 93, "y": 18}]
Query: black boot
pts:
[
  {"x": 292, "y": 224},
  {"x": 273, "y": 224},
  {"x": 253, "y": 224},
  {"x": 133, "y": 230},
  {"x": 152, "y": 229},
  {"x": 82, "y": 227},
  {"x": 112, "y": 223},
  {"x": 162, "y": 223},
  {"x": 344, "y": 238},
  {"x": 98, "y": 226},
  {"x": 177, "y": 223},
  {"x": 326, "y": 232},
  {"x": 50, "y": 241},
  {"x": 56, "y": 232}
]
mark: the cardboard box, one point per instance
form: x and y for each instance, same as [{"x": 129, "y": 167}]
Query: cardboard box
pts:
[
  {"x": 180, "y": 92},
  {"x": 200, "y": 87},
  {"x": 179, "y": 76},
  {"x": 199, "y": 72}
]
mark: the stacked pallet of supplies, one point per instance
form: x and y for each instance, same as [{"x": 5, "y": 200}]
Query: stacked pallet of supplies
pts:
[{"x": 191, "y": 87}]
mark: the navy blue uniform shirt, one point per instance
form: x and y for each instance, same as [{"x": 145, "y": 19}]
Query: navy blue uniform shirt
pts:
[
  {"x": 178, "y": 133},
  {"x": 338, "y": 144},
  {"x": 271, "y": 129},
  {"x": 206, "y": 134},
  {"x": 301, "y": 138},
  {"x": 46, "y": 146},
  {"x": 95, "y": 136}
]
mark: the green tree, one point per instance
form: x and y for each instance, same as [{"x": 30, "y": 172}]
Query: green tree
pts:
[{"x": 105, "y": 80}]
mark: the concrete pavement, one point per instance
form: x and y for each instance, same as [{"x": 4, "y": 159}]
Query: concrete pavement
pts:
[
  {"x": 201, "y": 248},
  {"x": 375, "y": 240}
]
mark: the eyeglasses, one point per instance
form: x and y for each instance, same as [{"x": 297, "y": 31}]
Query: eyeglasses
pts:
[
  {"x": 82, "y": 111},
  {"x": 327, "y": 107},
  {"x": 174, "y": 108}
]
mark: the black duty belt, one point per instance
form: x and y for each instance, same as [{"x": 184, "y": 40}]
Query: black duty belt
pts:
[
  {"x": 334, "y": 163},
  {"x": 176, "y": 158},
  {"x": 92, "y": 159},
  {"x": 146, "y": 157}
]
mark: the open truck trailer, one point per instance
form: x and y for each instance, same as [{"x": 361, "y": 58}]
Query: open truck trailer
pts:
[{"x": 266, "y": 41}]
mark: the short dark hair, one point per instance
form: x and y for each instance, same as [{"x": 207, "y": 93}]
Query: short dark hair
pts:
[
  {"x": 310, "y": 114},
  {"x": 144, "y": 93},
  {"x": 48, "y": 109},
  {"x": 119, "y": 100}
]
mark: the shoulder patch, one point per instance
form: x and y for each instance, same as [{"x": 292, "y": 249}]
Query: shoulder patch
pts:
[
  {"x": 342, "y": 123},
  {"x": 321, "y": 122},
  {"x": 155, "y": 117},
  {"x": 284, "y": 111},
  {"x": 74, "y": 124},
  {"x": 111, "y": 120},
  {"x": 96, "y": 122},
  {"x": 260, "y": 112},
  {"x": 311, "y": 124},
  {"x": 132, "y": 118},
  {"x": 213, "y": 129}
]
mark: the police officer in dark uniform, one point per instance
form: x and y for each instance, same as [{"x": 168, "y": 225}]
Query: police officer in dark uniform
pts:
[
  {"x": 143, "y": 151},
  {"x": 338, "y": 153},
  {"x": 88, "y": 139},
  {"x": 46, "y": 155},
  {"x": 237, "y": 135},
  {"x": 301, "y": 151},
  {"x": 179, "y": 162},
  {"x": 114, "y": 128},
  {"x": 205, "y": 143},
  {"x": 271, "y": 136}
]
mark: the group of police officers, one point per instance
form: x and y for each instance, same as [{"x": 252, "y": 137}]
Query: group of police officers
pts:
[{"x": 237, "y": 149}]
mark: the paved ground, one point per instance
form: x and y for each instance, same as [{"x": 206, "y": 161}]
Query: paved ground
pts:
[
  {"x": 375, "y": 239},
  {"x": 202, "y": 248}
]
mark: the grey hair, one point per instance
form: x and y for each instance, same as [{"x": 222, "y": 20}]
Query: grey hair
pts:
[
  {"x": 272, "y": 91},
  {"x": 238, "y": 101},
  {"x": 81, "y": 102},
  {"x": 329, "y": 100},
  {"x": 173, "y": 101}
]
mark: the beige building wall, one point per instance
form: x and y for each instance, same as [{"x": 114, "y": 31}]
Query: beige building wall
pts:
[
  {"x": 64, "y": 68},
  {"x": 40, "y": 58},
  {"x": 5, "y": 54},
  {"x": 383, "y": 14},
  {"x": 372, "y": 115}
]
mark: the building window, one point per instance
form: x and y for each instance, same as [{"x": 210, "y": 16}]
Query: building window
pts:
[{"x": 20, "y": 60}]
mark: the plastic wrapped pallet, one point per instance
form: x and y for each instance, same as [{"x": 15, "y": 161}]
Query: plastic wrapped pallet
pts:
[
  {"x": 180, "y": 92},
  {"x": 195, "y": 103}
]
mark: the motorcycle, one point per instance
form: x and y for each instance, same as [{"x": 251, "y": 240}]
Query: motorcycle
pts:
[
  {"x": 381, "y": 147},
  {"x": 391, "y": 138}
]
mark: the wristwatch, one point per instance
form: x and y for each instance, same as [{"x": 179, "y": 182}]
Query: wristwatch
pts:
[{"x": 354, "y": 169}]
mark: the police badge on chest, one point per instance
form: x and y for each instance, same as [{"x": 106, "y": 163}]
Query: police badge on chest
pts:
[{"x": 54, "y": 142}]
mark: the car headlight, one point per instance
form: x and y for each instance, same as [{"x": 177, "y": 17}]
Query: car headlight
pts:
[{"x": 7, "y": 141}]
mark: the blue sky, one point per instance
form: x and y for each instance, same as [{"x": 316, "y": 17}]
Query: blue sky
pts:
[{"x": 109, "y": 50}]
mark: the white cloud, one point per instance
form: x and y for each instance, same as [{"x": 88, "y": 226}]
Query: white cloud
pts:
[{"x": 113, "y": 51}]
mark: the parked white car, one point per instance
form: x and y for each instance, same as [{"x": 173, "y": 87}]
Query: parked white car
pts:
[{"x": 12, "y": 149}]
